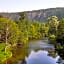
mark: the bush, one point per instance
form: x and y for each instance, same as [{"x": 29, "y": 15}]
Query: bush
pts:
[
  {"x": 52, "y": 39},
  {"x": 4, "y": 55}
]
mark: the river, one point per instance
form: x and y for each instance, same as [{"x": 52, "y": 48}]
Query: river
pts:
[{"x": 36, "y": 52}]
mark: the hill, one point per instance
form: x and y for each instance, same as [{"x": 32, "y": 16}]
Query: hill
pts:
[{"x": 38, "y": 15}]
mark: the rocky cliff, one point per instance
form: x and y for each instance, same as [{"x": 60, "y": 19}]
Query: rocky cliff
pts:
[{"x": 36, "y": 15}]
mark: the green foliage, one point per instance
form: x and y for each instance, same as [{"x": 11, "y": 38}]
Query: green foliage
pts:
[
  {"x": 53, "y": 24},
  {"x": 4, "y": 55},
  {"x": 32, "y": 30},
  {"x": 60, "y": 32},
  {"x": 60, "y": 35},
  {"x": 44, "y": 30},
  {"x": 2, "y": 46},
  {"x": 53, "y": 37},
  {"x": 24, "y": 31},
  {"x": 9, "y": 29},
  {"x": 59, "y": 47}
]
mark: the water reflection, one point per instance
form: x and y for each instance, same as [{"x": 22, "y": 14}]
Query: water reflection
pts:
[
  {"x": 41, "y": 57},
  {"x": 38, "y": 56}
]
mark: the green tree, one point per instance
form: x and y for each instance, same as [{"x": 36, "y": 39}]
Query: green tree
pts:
[
  {"x": 60, "y": 33},
  {"x": 53, "y": 24},
  {"x": 44, "y": 30},
  {"x": 60, "y": 38},
  {"x": 9, "y": 31},
  {"x": 23, "y": 27}
]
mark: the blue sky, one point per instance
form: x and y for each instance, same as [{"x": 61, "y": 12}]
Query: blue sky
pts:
[{"x": 27, "y": 5}]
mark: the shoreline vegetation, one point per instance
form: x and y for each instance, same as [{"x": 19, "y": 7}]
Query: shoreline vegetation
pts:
[{"x": 22, "y": 31}]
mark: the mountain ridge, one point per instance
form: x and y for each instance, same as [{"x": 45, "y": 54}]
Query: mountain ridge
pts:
[{"x": 36, "y": 15}]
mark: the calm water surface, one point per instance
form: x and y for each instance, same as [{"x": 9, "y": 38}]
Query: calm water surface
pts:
[
  {"x": 41, "y": 57},
  {"x": 46, "y": 56},
  {"x": 37, "y": 52}
]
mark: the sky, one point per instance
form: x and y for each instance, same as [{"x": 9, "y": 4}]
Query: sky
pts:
[{"x": 28, "y": 5}]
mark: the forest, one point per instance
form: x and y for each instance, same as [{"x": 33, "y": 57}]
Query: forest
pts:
[{"x": 15, "y": 33}]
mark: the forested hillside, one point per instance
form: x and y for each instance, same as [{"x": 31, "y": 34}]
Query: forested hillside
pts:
[{"x": 36, "y": 15}]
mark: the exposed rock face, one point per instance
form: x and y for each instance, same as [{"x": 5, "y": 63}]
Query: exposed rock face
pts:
[
  {"x": 38, "y": 15},
  {"x": 13, "y": 16}
]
